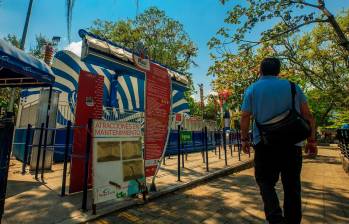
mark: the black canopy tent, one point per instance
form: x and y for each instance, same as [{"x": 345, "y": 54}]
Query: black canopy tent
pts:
[{"x": 18, "y": 69}]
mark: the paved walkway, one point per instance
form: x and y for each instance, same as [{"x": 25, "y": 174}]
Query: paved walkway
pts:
[
  {"x": 30, "y": 201},
  {"x": 235, "y": 198}
]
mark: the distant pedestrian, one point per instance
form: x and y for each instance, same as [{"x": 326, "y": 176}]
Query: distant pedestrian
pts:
[{"x": 282, "y": 119}]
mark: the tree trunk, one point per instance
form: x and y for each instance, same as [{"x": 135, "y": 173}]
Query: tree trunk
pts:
[
  {"x": 343, "y": 40},
  {"x": 324, "y": 116}
]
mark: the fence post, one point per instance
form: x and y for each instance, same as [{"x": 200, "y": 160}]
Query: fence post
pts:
[
  {"x": 249, "y": 151},
  {"x": 179, "y": 154},
  {"x": 39, "y": 151},
  {"x": 87, "y": 160},
  {"x": 67, "y": 142},
  {"x": 26, "y": 148},
  {"x": 203, "y": 145},
  {"x": 206, "y": 148},
  {"x": 193, "y": 139},
  {"x": 215, "y": 142},
  {"x": 239, "y": 146},
  {"x": 225, "y": 147},
  {"x": 182, "y": 146},
  {"x": 46, "y": 133},
  {"x": 231, "y": 143},
  {"x": 220, "y": 144}
]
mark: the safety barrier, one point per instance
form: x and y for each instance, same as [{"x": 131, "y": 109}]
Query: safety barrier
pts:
[
  {"x": 343, "y": 136},
  {"x": 217, "y": 142},
  {"x": 43, "y": 147}
]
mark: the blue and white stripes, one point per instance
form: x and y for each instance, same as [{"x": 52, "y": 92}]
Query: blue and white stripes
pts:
[
  {"x": 128, "y": 93},
  {"x": 179, "y": 103},
  {"x": 121, "y": 90}
]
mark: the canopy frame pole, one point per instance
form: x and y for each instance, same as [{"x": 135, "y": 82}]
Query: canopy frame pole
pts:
[{"x": 46, "y": 133}]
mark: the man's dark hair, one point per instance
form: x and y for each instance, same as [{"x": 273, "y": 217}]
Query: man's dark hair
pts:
[{"x": 270, "y": 66}]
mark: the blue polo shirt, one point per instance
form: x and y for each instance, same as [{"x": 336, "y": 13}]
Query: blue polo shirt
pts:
[{"x": 267, "y": 98}]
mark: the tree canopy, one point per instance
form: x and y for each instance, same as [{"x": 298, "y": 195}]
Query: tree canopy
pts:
[
  {"x": 290, "y": 15},
  {"x": 165, "y": 38},
  {"x": 313, "y": 59}
]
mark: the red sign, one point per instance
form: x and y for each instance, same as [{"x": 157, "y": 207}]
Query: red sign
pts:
[
  {"x": 157, "y": 113},
  {"x": 89, "y": 105}
]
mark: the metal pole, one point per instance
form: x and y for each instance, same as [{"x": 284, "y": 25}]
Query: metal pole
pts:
[
  {"x": 203, "y": 145},
  {"x": 46, "y": 133},
  {"x": 249, "y": 151},
  {"x": 25, "y": 29},
  {"x": 225, "y": 147},
  {"x": 39, "y": 151},
  {"x": 206, "y": 149},
  {"x": 215, "y": 142},
  {"x": 193, "y": 139},
  {"x": 220, "y": 145},
  {"x": 66, "y": 148},
  {"x": 179, "y": 154},
  {"x": 87, "y": 159},
  {"x": 26, "y": 147},
  {"x": 231, "y": 144},
  {"x": 182, "y": 146},
  {"x": 24, "y": 36},
  {"x": 238, "y": 143}
]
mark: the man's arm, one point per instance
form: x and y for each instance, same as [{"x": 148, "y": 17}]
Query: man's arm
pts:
[
  {"x": 245, "y": 125},
  {"x": 305, "y": 112}
]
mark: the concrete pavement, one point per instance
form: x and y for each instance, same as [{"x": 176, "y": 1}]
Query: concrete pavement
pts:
[
  {"x": 31, "y": 201},
  {"x": 235, "y": 198}
]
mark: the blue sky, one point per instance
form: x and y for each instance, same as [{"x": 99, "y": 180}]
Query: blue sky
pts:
[{"x": 201, "y": 20}]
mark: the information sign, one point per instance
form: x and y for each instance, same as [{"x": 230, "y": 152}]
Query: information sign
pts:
[
  {"x": 118, "y": 165},
  {"x": 186, "y": 137}
]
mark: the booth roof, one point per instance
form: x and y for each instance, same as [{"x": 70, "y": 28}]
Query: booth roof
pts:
[
  {"x": 19, "y": 69},
  {"x": 123, "y": 53}
]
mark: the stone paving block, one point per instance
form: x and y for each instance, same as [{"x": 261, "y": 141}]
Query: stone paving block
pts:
[{"x": 235, "y": 198}]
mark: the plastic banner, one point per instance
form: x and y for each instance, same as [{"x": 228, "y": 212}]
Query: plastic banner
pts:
[{"x": 118, "y": 165}]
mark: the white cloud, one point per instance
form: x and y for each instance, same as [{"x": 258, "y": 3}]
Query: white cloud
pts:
[{"x": 74, "y": 47}]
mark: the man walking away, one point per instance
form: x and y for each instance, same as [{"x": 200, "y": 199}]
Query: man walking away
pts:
[{"x": 263, "y": 100}]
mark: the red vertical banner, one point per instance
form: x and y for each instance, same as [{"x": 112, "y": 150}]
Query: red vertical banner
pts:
[
  {"x": 157, "y": 114},
  {"x": 89, "y": 105}
]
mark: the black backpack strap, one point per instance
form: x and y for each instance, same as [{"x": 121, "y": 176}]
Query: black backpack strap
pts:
[{"x": 293, "y": 93}]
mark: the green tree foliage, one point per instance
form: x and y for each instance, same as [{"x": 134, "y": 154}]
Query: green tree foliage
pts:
[
  {"x": 290, "y": 15},
  {"x": 235, "y": 72},
  {"x": 313, "y": 59},
  {"x": 38, "y": 50},
  {"x": 13, "y": 39},
  {"x": 211, "y": 109},
  {"x": 164, "y": 38}
]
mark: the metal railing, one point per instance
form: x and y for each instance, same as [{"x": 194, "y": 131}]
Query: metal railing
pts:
[{"x": 343, "y": 136}]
